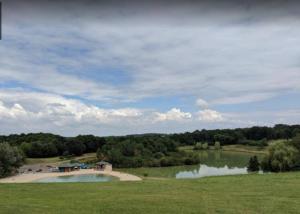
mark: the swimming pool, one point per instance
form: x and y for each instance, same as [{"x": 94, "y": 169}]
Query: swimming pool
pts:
[{"x": 77, "y": 178}]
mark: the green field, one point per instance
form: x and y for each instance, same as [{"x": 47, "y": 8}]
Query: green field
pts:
[{"x": 269, "y": 193}]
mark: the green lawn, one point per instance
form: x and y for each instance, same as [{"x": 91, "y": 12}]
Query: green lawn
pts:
[{"x": 268, "y": 193}]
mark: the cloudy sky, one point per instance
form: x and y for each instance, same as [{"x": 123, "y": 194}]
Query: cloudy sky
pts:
[{"x": 122, "y": 68}]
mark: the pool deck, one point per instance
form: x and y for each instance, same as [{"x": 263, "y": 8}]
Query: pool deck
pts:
[{"x": 31, "y": 177}]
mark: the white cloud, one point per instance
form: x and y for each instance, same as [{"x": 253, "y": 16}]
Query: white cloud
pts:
[
  {"x": 247, "y": 98},
  {"x": 14, "y": 112},
  {"x": 202, "y": 103},
  {"x": 46, "y": 107},
  {"x": 174, "y": 114},
  {"x": 209, "y": 115},
  {"x": 161, "y": 59}
]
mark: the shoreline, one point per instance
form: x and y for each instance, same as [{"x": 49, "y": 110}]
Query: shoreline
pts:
[{"x": 31, "y": 177}]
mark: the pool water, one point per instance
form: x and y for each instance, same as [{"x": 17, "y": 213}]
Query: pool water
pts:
[{"x": 77, "y": 178}]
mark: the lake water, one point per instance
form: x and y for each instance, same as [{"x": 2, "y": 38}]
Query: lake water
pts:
[
  {"x": 212, "y": 163},
  {"x": 77, "y": 178},
  {"x": 217, "y": 162}
]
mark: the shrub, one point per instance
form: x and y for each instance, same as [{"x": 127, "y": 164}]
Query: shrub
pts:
[{"x": 253, "y": 165}]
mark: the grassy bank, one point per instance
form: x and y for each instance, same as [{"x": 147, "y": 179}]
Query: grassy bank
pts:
[{"x": 271, "y": 193}]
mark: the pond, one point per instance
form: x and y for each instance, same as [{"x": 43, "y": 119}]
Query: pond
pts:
[
  {"x": 77, "y": 178},
  {"x": 213, "y": 163}
]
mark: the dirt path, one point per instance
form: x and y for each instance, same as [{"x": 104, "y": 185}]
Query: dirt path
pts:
[{"x": 31, "y": 177}]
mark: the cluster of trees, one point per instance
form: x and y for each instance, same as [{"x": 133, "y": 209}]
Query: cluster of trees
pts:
[
  {"x": 204, "y": 146},
  {"x": 11, "y": 158},
  {"x": 42, "y": 145},
  {"x": 283, "y": 156},
  {"x": 152, "y": 151}
]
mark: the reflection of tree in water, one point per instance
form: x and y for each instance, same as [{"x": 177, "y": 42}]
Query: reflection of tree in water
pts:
[
  {"x": 219, "y": 158},
  {"x": 204, "y": 155},
  {"x": 217, "y": 155}
]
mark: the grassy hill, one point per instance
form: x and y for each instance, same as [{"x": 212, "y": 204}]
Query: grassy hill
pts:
[{"x": 269, "y": 193}]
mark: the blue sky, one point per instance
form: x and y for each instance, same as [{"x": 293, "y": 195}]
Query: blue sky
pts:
[{"x": 124, "y": 69}]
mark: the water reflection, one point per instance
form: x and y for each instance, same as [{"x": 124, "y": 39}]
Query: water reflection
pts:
[{"x": 204, "y": 171}]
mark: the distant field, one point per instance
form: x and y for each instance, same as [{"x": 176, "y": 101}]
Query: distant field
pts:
[
  {"x": 87, "y": 156},
  {"x": 244, "y": 148},
  {"x": 270, "y": 193},
  {"x": 237, "y": 148}
]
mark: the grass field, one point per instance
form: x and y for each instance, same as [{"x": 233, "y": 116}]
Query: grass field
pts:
[
  {"x": 235, "y": 148},
  {"x": 269, "y": 193},
  {"x": 87, "y": 156}
]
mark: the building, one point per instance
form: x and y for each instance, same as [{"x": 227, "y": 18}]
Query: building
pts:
[
  {"x": 103, "y": 165},
  {"x": 68, "y": 167}
]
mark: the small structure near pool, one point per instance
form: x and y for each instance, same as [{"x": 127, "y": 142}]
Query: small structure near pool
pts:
[
  {"x": 69, "y": 167},
  {"x": 103, "y": 165}
]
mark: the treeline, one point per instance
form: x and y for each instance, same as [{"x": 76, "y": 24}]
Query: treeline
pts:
[
  {"x": 254, "y": 136},
  {"x": 40, "y": 145}
]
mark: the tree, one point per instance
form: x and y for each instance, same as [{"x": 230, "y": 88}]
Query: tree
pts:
[
  {"x": 10, "y": 159},
  {"x": 100, "y": 155},
  {"x": 76, "y": 148},
  {"x": 198, "y": 146},
  {"x": 296, "y": 141},
  {"x": 253, "y": 165},
  {"x": 205, "y": 146}
]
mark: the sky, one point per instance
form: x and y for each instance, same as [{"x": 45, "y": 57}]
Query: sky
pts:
[{"x": 130, "y": 67}]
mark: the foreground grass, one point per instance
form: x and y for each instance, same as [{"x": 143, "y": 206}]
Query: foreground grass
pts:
[{"x": 269, "y": 193}]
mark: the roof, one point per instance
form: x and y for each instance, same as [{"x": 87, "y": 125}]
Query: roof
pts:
[{"x": 103, "y": 163}]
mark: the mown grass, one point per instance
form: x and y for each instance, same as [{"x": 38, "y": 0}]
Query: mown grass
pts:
[{"x": 269, "y": 193}]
